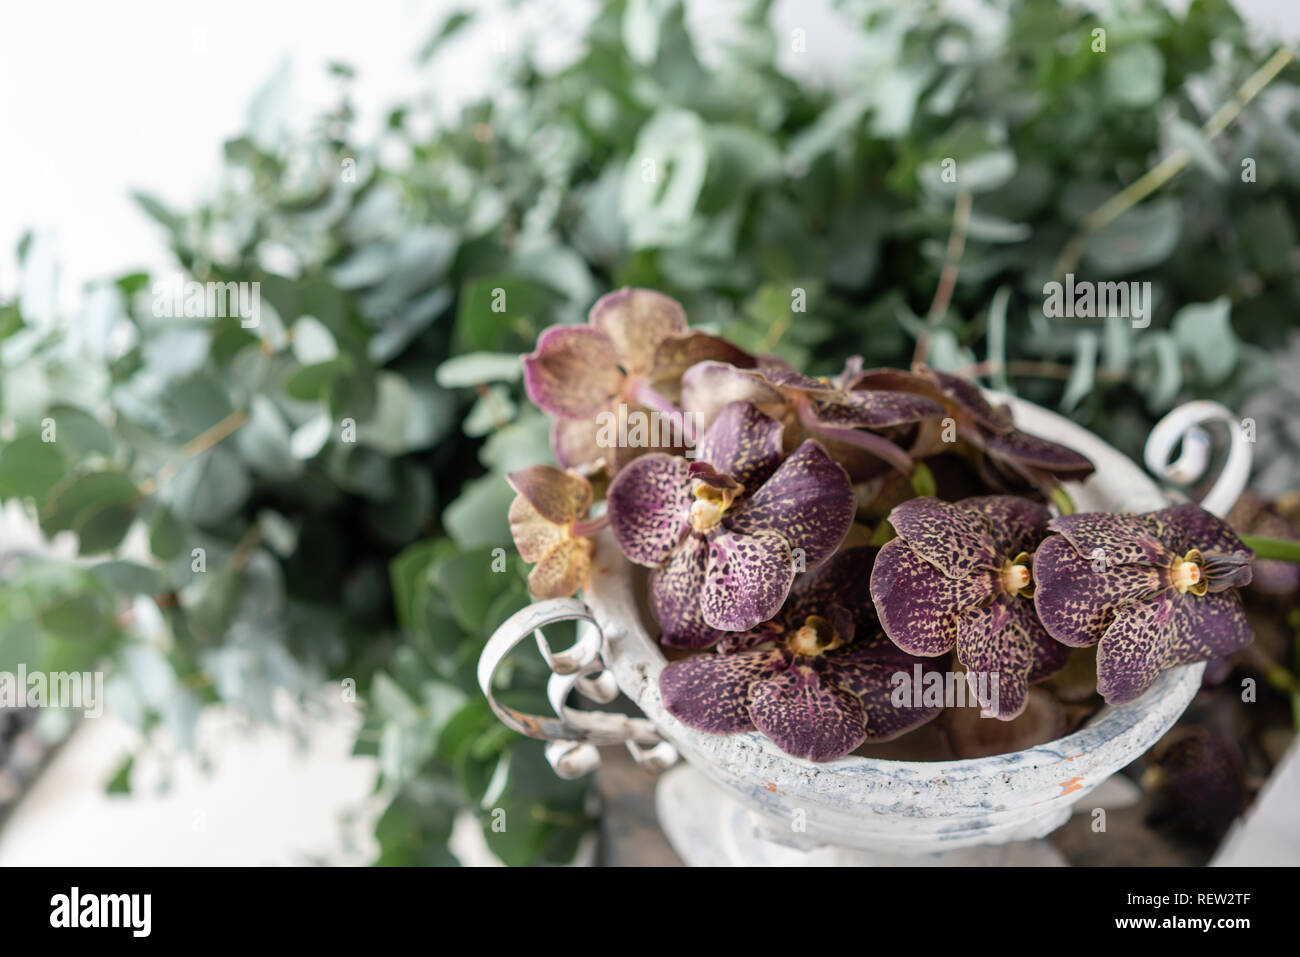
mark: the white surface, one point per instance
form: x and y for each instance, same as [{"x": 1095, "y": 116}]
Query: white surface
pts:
[
  {"x": 264, "y": 799},
  {"x": 1269, "y": 835}
]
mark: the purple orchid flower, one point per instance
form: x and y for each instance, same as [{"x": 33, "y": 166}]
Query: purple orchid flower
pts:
[
  {"x": 725, "y": 534},
  {"x": 1151, "y": 591},
  {"x": 958, "y": 574},
  {"x": 816, "y": 679},
  {"x": 1008, "y": 457},
  {"x": 849, "y": 418},
  {"x": 630, "y": 356}
]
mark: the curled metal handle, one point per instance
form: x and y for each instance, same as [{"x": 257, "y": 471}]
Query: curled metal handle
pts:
[
  {"x": 1184, "y": 424},
  {"x": 572, "y": 735}
]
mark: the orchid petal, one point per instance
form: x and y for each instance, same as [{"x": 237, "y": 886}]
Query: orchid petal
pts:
[
  {"x": 1135, "y": 648},
  {"x": 1004, "y": 640},
  {"x": 675, "y": 355},
  {"x": 918, "y": 604},
  {"x": 711, "y": 692},
  {"x": 836, "y": 584},
  {"x": 1113, "y": 539},
  {"x": 808, "y": 500},
  {"x": 876, "y": 409},
  {"x": 1187, "y": 526},
  {"x": 575, "y": 445},
  {"x": 635, "y": 321},
  {"x": 557, "y": 496},
  {"x": 649, "y": 505},
  {"x": 954, "y": 539},
  {"x": 675, "y": 597},
  {"x": 747, "y": 580},
  {"x": 808, "y": 715},
  {"x": 874, "y": 681},
  {"x": 1076, "y": 598},
  {"x": 573, "y": 373},
  {"x": 742, "y": 442},
  {"x": 562, "y": 570},
  {"x": 970, "y": 398},
  {"x": 1017, "y": 524},
  {"x": 1209, "y": 626},
  {"x": 1029, "y": 451},
  {"x": 708, "y": 387}
]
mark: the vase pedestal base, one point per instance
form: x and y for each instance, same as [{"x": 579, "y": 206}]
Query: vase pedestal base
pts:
[{"x": 708, "y": 827}]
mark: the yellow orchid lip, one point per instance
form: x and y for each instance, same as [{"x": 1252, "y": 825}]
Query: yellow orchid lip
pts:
[
  {"x": 709, "y": 506},
  {"x": 816, "y": 637},
  {"x": 1017, "y": 579},
  {"x": 1189, "y": 574}
]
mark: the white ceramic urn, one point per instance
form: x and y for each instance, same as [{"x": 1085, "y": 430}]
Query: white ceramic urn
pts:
[{"x": 739, "y": 799}]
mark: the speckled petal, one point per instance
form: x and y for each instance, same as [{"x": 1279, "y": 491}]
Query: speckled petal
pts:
[
  {"x": 557, "y": 495},
  {"x": 874, "y": 683},
  {"x": 1135, "y": 648},
  {"x": 1038, "y": 454},
  {"x": 675, "y": 597},
  {"x": 876, "y": 409},
  {"x": 808, "y": 715},
  {"x": 838, "y": 583},
  {"x": 649, "y": 505},
  {"x": 767, "y": 633},
  {"x": 786, "y": 378},
  {"x": 708, "y": 387},
  {"x": 896, "y": 380},
  {"x": 808, "y": 500},
  {"x": 548, "y": 503},
  {"x": 954, "y": 539},
  {"x": 1076, "y": 598},
  {"x": 710, "y": 692},
  {"x": 742, "y": 442},
  {"x": 677, "y": 354},
  {"x": 747, "y": 580},
  {"x": 1006, "y": 639},
  {"x": 971, "y": 398},
  {"x": 1118, "y": 539},
  {"x": 918, "y": 604},
  {"x": 573, "y": 373},
  {"x": 1209, "y": 626},
  {"x": 534, "y": 535},
  {"x": 563, "y": 570},
  {"x": 574, "y": 443},
  {"x": 1017, "y": 524},
  {"x": 1187, "y": 526},
  {"x": 635, "y": 322}
]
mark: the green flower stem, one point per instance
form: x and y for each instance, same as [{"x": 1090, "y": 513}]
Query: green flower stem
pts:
[{"x": 1279, "y": 548}]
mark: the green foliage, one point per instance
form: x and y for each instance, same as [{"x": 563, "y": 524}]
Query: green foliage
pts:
[{"x": 319, "y": 495}]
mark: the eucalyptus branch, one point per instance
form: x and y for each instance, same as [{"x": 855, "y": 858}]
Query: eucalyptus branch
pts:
[
  {"x": 1171, "y": 165},
  {"x": 948, "y": 275},
  {"x": 196, "y": 446}
]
